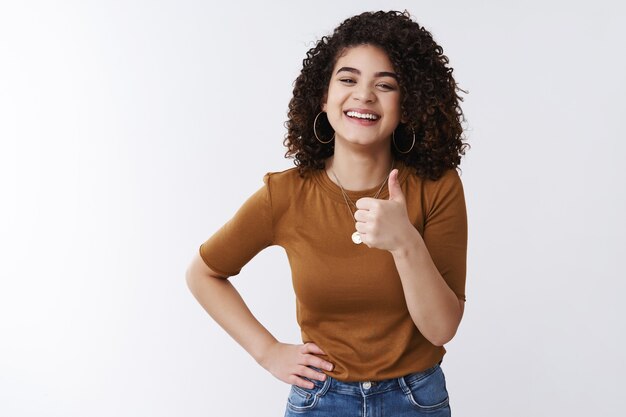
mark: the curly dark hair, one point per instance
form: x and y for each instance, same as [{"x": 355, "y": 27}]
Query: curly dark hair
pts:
[{"x": 430, "y": 105}]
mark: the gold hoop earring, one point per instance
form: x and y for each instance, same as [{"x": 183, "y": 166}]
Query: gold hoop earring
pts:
[
  {"x": 315, "y": 133},
  {"x": 393, "y": 138}
]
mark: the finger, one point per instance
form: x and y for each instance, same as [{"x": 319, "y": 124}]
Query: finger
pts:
[
  {"x": 366, "y": 202},
  {"x": 395, "y": 191},
  {"x": 316, "y": 361},
  {"x": 312, "y": 373},
  {"x": 365, "y": 239},
  {"x": 364, "y": 215},
  {"x": 363, "y": 228},
  {"x": 311, "y": 347},
  {"x": 301, "y": 382},
  {"x": 320, "y": 363}
]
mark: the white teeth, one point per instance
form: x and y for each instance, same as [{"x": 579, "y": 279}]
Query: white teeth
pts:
[{"x": 362, "y": 116}]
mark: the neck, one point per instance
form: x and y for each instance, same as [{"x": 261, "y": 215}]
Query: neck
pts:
[{"x": 358, "y": 172}]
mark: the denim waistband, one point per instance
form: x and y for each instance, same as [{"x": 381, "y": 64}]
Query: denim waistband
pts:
[{"x": 366, "y": 388}]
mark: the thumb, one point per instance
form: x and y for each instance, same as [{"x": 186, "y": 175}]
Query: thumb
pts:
[{"x": 395, "y": 192}]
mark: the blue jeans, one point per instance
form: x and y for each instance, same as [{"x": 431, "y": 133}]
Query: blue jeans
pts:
[{"x": 417, "y": 394}]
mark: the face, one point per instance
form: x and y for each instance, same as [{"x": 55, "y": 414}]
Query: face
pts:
[{"x": 363, "y": 98}]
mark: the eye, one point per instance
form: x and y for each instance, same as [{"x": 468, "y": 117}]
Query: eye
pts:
[
  {"x": 346, "y": 80},
  {"x": 386, "y": 86}
]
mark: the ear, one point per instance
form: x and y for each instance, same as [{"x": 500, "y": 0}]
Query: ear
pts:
[
  {"x": 404, "y": 119},
  {"x": 324, "y": 100}
]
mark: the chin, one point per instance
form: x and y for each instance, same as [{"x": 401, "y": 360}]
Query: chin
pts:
[{"x": 361, "y": 140}]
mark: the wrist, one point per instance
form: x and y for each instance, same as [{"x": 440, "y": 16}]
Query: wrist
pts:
[
  {"x": 410, "y": 242},
  {"x": 263, "y": 353}
]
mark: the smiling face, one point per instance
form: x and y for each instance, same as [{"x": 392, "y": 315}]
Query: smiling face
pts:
[{"x": 363, "y": 98}]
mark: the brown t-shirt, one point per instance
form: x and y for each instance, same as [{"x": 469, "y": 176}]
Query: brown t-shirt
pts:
[{"x": 349, "y": 298}]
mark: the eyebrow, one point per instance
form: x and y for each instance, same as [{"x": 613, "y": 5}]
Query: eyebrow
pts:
[{"x": 377, "y": 74}]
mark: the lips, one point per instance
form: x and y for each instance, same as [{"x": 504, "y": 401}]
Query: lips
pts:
[
  {"x": 364, "y": 121},
  {"x": 362, "y": 111}
]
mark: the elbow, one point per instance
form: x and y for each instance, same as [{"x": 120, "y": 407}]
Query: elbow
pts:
[
  {"x": 441, "y": 339},
  {"x": 191, "y": 281},
  {"x": 442, "y": 332},
  {"x": 441, "y": 336},
  {"x": 197, "y": 280}
]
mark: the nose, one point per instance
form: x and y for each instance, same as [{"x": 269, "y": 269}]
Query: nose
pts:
[{"x": 364, "y": 93}]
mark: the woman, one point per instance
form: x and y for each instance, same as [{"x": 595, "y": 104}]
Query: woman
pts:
[{"x": 373, "y": 221}]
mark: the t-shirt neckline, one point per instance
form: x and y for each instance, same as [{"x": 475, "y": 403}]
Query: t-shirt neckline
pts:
[{"x": 334, "y": 192}]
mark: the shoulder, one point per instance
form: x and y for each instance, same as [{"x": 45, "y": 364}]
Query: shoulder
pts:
[
  {"x": 439, "y": 193},
  {"x": 281, "y": 178},
  {"x": 450, "y": 180},
  {"x": 287, "y": 179},
  {"x": 283, "y": 186},
  {"x": 448, "y": 197}
]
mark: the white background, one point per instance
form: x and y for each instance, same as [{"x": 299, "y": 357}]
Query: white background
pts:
[{"x": 131, "y": 130}]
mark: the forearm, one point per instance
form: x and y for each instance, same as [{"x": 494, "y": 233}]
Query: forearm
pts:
[
  {"x": 224, "y": 304},
  {"x": 433, "y": 306}
]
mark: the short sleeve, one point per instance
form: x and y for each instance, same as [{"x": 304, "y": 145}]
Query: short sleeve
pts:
[
  {"x": 445, "y": 229},
  {"x": 248, "y": 232}
]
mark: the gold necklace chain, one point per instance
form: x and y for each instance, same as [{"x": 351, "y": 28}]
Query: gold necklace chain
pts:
[{"x": 356, "y": 237}]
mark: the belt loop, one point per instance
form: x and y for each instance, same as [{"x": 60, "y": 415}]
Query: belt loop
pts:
[{"x": 403, "y": 386}]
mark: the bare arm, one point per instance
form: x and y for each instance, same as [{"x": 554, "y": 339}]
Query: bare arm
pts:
[
  {"x": 222, "y": 301},
  {"x": 433, "y": 306},
  {"x": 217, "y": 295}
]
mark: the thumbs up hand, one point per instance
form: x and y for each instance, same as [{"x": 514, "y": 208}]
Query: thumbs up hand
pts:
[{"x": 384, "y": 224}]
